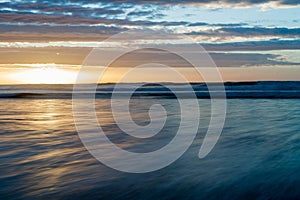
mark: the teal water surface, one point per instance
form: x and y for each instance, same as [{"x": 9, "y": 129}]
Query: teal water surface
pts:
[{"x": 257, "y": 155}]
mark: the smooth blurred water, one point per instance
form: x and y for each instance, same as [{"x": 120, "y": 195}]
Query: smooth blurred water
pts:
[{"x": 257, "y": 156}]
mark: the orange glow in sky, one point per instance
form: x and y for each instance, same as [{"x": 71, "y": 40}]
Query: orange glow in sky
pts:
[
  {"x": 43, "y": 75},
  {"x": 54, "y": 74}
]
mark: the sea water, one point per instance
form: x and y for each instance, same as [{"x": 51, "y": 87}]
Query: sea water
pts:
[{"x": 257, "y": 155}]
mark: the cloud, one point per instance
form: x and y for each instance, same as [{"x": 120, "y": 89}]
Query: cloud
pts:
[
  {"x": 248, "y": 59},
  {"x": 217, "y": 24},
  {"x": 75, "y": 56},
  {"x": 107, "y": 12},
  {"x": 176, "y": 2},
  {"x": 243, "y": 31},
  {"x": 139, "y": 13},
  {"x": 198, "y": 24},
  {"x": 124, "y": 14},
  {"x": 248, "y": 32},
  {"x": 229, "y": 59},
  {"x": 230, "y": 24},
  {"x": 146, "y": 11},
  {"x": 58, "y": 55},
  {"x": 59, "y": 8},
  {"x": 57, "y": 29},
  {"x": 254, "y": 45},
  {"x": 92, "y": 20},
  {"x": 31, "y": 18}
]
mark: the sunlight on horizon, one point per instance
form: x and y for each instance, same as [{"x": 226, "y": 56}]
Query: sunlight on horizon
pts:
[
  {"x": 58, "y": 74},
  {"x": 44, "y": 75}
]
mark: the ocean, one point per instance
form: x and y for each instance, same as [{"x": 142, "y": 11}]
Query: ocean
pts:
[{"x": 256, "y": 156}]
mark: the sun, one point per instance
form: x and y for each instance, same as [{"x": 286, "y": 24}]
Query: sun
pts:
[{"x": 49, "y": 74}]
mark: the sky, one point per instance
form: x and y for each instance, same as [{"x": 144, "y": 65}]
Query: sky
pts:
[{"x": 46, "y": 41}]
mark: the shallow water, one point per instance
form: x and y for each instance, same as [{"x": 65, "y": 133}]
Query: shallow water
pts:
[{"x": 257, "y": 155}]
